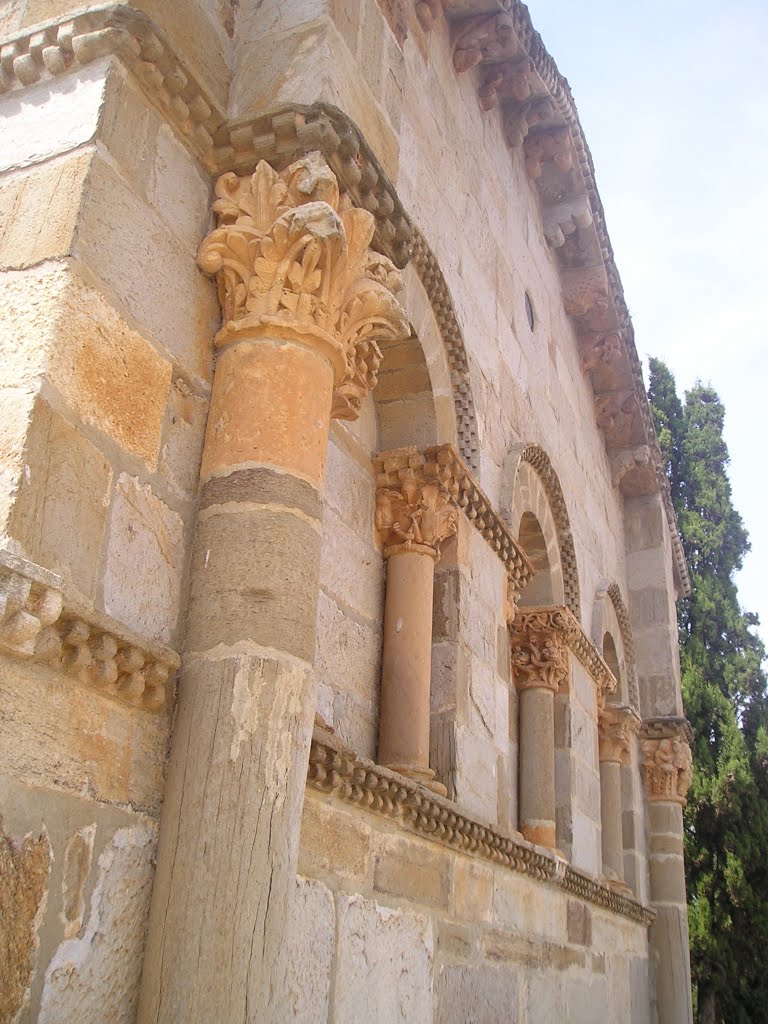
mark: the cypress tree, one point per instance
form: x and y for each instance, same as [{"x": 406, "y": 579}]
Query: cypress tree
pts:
[{"x": 724, "y": 690}]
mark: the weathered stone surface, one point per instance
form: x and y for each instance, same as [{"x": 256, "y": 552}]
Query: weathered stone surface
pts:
[
  {"x": 384, "y": 968},
  {"x": 142, "y": 580},
  {"x": 95, "y": 977},
  {"x": 472, "y": 890},
  {"x": 414, "y": 870},
  {"x": 24, "y": 866},
  {"x": 58, "y": 328},
  {"x": 485, "y": 994},
  {"x": 39, "y": 210},
  {"x": 60, "y": 511},
  {"x": 310, "y": 937},
  {"x": 333, "y": 842}
]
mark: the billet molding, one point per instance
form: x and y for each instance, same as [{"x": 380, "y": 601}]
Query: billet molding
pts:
[
  {"x": 439, "y": 295},
  {"x": 665, "y": 758},
  {"x": 442, "y": 465},
  {"x": 338, "y": 772},
  {"x": 540, "y": 638},
  {"x": 45, "y": 622}
]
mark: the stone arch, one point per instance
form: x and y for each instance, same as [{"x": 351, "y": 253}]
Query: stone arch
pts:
[
  {"x": 610, "y": 616},
  {"x": 436, "y": 288},
  {"x": 529, "y": 465}
]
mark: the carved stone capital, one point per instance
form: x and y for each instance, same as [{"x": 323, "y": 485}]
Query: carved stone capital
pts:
[
  {"x": 666, "y": 758},
  {"x": 539, "y": 646},
  {"x": 415, "y": 502},
  {"x": 292, "y": 257},
  {"x": 616, "y": 726}
]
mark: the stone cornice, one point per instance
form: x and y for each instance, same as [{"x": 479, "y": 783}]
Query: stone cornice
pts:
[
  {"x": 536, "y": 627},
  {"x": 444, "y": 462},
  {"x": 45, "y": 622},
  {"x": 338, "y": 772},
  {"x": 514, "y": 71},
  {"x": 665, "y": 745}
]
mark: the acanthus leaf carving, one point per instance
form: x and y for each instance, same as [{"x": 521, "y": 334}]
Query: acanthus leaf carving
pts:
[{"x": 289, "y": 252}]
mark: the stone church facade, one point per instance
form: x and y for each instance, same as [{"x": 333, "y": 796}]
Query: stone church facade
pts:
[{"x": 338, "y": 656}]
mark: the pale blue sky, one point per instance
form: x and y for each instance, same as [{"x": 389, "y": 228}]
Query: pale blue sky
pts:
[{"x": 673, "y": 98}]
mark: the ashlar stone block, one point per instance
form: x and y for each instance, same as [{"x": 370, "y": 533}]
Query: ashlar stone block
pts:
[
  {"x": 384, "y": 964},
  {"x": 310, "y": 938},
  {"x": 145, "y": 552}
]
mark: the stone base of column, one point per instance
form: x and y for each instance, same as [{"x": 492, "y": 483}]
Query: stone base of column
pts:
[
  {"x": 423, "y": 776},
  {"x": 542, "y": 834}
]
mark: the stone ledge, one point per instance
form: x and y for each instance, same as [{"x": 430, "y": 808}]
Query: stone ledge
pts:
[
  {"x": 44, "y": 622},
  {"x": 339, "y": 772}
]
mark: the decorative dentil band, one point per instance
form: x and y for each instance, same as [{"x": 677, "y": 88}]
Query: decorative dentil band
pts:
[
  {"x": 540, "y": 640},
  {"x": 666, "y": 758},
  {"x": 292, "y": 257},
  {"x": 616, "y": 726},
  {"x": 415, "y": 502}
]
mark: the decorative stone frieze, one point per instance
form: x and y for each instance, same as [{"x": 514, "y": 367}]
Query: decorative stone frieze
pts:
[
  {"x": 540, "y": 639},
  {"x": 442, "y": 463},
  {"x": 45, "y": 622},
  {"x": 338, "y": 772},
  {"x": 666, "y": 758},
  {"x": 290, "y": 254},
  {"x": 616, "y": 725}
]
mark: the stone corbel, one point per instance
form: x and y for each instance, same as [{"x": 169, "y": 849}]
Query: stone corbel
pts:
[
  {"x": 617, "y": 724},
  {"x": 520, "y": 118},
  {"x": 615, "y": 413},
  {"x": 585, "y": 292},
  {"x": 292, "y": 255},
  {"x": 564, "y": 218},
  {"x": 548, "y": 147},
  {"x": 666, "y": 761},
  {"x": 633, "y": 471},
  {"x": 506, "y": 81},
  {"x": 600, "y": 351},
  {"x": 487, "y": 37}
]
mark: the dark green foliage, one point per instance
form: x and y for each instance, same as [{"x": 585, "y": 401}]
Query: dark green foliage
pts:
[{"x": 724, "y": 689}]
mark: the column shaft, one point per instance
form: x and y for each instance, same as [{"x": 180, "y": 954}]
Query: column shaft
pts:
[
  {"x": 229, "y": 836},
  {"x": 669, "y": 932},
  {"x": 406, "y": 663},
  {"x": 610, "y": 806},
  {"x": 537, "y": 765}
]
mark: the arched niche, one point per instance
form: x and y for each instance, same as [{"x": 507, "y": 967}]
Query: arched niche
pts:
[
  {"x": 531, "y": 487},
  {"x": 611, "y": 619}
]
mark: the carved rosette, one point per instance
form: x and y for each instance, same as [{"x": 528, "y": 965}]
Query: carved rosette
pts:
[
  {"x": 292, "y": 258},
  {"x": 666, "y": 759},
  {"x": 539, "y": 645},
  {"x": 415, "y": 502},
  {"x": 616, "y": 726}
]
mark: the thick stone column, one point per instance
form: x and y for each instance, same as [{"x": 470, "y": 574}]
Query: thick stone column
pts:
[
  {"x": 616, "y": 725},
  {"x": 414, "y": 515},
  {"x": 541, "y": 666},
  {"x": 666, "y": 767},
  {"x": 304, "y": 301}
]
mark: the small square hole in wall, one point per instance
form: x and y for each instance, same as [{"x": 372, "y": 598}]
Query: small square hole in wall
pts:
[{"x": 529, "y": 311}]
